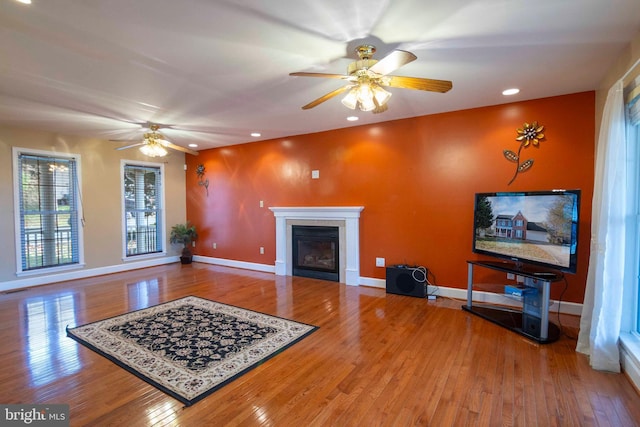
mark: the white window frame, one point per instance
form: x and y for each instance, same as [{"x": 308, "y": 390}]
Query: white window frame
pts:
[
  {"x": 161, "y": 216},
  {"x": 631, "y": 299},
  {"x": 16, "y": 152},
  {"x": 630, "y": 323}
]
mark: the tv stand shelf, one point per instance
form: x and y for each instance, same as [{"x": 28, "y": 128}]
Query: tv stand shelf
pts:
[{"x": 533, "y": 320}]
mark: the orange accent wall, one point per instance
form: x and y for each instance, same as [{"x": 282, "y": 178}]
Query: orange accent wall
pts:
[{"x": 415, "y": 177}]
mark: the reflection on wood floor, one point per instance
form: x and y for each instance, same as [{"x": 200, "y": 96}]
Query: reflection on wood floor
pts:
[{"x": 377, "y": 359}]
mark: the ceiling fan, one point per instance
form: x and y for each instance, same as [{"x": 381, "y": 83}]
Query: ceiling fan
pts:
[
  {"x": 368, "y": 76},
  {"x": 154, "y": 144}
]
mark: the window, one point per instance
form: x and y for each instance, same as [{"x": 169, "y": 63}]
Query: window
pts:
[
  {"x": 635, "y": 153},
  {"x": 47, "y": 202},
  {"x": 143, "y": 214},
  {"x": 631, "y": 316}
]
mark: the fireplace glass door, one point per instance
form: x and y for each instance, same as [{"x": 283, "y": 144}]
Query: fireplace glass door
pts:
[{"x": 315, "y": 252}]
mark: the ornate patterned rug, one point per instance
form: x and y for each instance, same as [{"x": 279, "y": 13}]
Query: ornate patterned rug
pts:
[{"x": 190, "y": 347}]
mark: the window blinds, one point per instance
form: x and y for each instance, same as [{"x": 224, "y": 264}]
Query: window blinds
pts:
[
  {"x": 48, "y": 211},
  {"x": 632, "y": 100},
  {"x": 142, "y": 190}
]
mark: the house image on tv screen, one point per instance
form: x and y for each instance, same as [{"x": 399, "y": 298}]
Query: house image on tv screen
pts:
[
  {"x": 535, "y": 227},
  {"x": 518, "y": 227}
]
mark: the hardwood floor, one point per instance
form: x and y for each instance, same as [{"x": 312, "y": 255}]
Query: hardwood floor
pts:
[{"x": 377, "y": 359}]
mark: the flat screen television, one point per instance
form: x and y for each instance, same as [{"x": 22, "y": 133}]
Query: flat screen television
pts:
[{"x": 533, "y": 227}]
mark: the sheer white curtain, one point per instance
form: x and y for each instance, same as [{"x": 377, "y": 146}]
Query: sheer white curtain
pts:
[{"x": 602, "y": 308}]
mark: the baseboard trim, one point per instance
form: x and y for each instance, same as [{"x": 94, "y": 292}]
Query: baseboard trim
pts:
[
  {"x": 479, "y": 296},
  {"x": 235, "y": 263},
  {"x": 457, "y": 293},
  {"x": 83, "y": 274}
]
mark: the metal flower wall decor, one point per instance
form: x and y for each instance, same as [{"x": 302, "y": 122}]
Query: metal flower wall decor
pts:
[
  {"x": 200, "y": 170},
  {"x": 530, "y": 134}
]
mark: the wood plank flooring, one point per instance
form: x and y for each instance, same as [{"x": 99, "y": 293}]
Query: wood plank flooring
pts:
[{"x": 377, "y": 359}]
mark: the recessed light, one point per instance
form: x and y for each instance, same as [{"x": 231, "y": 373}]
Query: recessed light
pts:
[
  {"x": 511, "y": 91},
  {"x": 24, "y": 1},
  {"x": 256, "y": 134},
  {"x": 193, "y": 145},
  {"x": 352, "y": 118}
]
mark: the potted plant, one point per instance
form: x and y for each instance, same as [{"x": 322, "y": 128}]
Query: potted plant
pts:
[{"x": 184, "y": 234}]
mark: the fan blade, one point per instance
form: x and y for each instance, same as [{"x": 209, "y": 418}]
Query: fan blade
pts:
[
  {"x": 130, "y": 146},
  {"x": 418, "y": 83},
  {"x": 167, "y": 144},
  {"x": 328, "y": 76},
  {"x": 326, "y": 97},
  {"x": 392, "y": 62}
]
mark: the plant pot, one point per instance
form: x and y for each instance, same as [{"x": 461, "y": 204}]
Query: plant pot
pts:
[{"x": 186, "y": 259}]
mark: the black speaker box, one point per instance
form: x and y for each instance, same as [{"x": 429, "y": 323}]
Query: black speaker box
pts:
[{"x": 402, "y": 281}]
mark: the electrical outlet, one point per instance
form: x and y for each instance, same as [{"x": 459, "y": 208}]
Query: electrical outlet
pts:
[
  {"x": 262, "y": 203},
  {"x": 511, "y": 276},
  {"x": 261, "y": 250},
  {"x": 520, "y": 279},
  {"x": 193, "y": 244},
  {"x": 379, "y": 262},
  {"x": 315, "y": 174},
  {"x": 215, "y": 245}
]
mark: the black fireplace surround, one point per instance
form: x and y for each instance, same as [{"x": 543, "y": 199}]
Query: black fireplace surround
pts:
[{"x": 315, "y": 252}]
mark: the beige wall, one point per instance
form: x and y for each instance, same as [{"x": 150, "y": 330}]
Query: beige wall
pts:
[
  {"x": 626, "y": 60},
  {"x": 101, "y": 194}
]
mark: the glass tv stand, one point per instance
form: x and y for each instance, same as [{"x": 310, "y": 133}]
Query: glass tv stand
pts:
[{"x": 532, "y": 320}]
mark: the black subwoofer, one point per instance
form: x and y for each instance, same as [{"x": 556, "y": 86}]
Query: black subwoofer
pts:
[{"x": 408, "y": 281}]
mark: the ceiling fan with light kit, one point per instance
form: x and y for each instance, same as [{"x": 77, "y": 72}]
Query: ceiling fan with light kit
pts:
[
  {"x": 367, "y": 78},
  {"x": 154, "y": 144}
]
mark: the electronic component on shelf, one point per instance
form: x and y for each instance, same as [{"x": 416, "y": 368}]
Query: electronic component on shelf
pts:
[{"x": 516, "y": 291}]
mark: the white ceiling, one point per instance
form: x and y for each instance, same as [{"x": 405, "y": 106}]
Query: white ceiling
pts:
[{"x": 217, "y": 70}]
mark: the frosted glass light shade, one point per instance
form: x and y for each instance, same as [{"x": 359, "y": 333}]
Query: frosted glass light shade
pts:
[
  {"x": 351, "y": 100},
  {"x": 381, "y": 95},
  {"x": 366, "y": 97},
  {"x": 153, "y": 149}
]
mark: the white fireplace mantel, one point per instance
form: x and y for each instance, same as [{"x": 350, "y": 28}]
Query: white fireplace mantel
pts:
[{"x": 350, "y": 215}]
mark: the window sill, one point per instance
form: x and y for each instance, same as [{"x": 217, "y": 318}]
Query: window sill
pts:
[
  {"x": 630, "y": 356},
  {"x": 50, "y": 270},
  {"x": 144, "y": 257}
]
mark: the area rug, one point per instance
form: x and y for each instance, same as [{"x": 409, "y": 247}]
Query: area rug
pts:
[{"x": 190, "y": 347}]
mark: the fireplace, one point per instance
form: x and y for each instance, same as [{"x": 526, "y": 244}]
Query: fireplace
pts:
[
  {"x": 346, "y": 218},
  {"x": 316, "y": 252}
]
